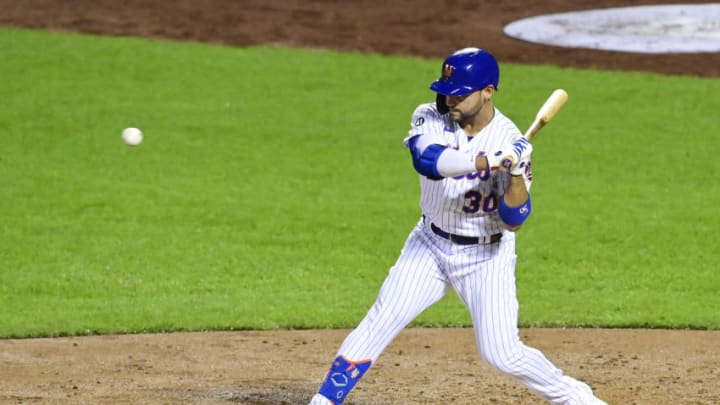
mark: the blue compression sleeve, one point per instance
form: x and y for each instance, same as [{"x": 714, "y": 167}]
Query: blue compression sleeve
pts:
[
  {"x": 425, "y": 162},
  {"x": 514, "y": 216}
]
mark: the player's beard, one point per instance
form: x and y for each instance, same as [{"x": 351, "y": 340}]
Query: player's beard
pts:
[{"x": 464, "y": 118}]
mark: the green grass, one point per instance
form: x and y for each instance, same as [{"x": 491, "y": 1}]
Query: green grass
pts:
[
  {"x": 272, "y": 190},
  {"x": 627, "y": 206}
]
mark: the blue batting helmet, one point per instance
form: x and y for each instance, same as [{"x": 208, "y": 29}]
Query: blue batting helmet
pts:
[{"x": 465, "y": 71}]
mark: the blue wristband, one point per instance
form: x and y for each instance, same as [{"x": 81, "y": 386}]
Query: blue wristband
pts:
[{"x": 514, "y": 216}]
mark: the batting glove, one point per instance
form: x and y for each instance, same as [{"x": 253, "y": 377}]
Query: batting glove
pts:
[
  {"x": 510, "y": 157},
  {"x": 520, "y": 168}
]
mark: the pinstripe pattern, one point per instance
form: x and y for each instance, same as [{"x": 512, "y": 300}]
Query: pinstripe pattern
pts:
[
  {"x": 414, "y": 283},
  {"x": 466, "y": 205},
  {"x": 483, "y": 275}
]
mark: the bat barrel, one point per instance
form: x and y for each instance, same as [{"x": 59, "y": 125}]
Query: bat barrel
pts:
[{"x": 547, "y": 112}]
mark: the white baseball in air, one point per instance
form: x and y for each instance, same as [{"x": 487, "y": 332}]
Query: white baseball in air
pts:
[{"x": 132, "y": 136}]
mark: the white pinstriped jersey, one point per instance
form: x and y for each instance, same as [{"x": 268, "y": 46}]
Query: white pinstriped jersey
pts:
[
  {"x": 482, "y": 274},
  {"x": 464, "y": 205}
]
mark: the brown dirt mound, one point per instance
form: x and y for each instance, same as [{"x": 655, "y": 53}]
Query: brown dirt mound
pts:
[{"x": 423, "y": 366}]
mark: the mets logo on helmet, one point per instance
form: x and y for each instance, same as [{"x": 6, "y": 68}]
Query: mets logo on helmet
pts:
[{"x": 448, "y": 71}]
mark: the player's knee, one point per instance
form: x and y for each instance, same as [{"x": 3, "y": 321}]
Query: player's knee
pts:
[
  {"x": 504, "y": 362},
  {"x": 342, "y": 377},
  {"x": 504, "y": 367}
]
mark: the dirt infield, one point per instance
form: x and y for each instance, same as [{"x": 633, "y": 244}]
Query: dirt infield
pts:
[{"x": 423, "y": 366}]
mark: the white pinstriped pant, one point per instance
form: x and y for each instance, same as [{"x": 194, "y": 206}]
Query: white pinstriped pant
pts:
[{"x": 484, "y": 278}]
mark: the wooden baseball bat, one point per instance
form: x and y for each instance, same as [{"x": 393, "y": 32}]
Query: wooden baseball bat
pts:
[{"x": 548, "y": 110}]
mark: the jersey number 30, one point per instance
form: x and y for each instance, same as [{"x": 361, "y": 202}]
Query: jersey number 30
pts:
[{"x": 474, "y": 201}]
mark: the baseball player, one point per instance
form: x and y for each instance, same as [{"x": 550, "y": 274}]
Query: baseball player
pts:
[{"x": 475, "y": 176}]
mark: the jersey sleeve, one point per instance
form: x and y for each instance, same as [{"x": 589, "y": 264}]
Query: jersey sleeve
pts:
[
  {"x": 427, "y": 123},
  {"x": 511, "y": 132}
]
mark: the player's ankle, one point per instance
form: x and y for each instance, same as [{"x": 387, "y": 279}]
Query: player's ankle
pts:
[
  {"x": 319, "y": 399},
  {"x": 341, "y": 378}
]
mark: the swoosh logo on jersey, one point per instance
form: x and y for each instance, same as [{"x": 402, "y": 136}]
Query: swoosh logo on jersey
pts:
[{"x": 448, "y": 129}]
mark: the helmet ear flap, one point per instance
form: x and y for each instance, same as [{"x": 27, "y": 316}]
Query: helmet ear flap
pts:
[{"x": 440, "y": 103}]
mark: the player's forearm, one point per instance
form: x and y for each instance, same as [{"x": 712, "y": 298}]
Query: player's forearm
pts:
[
  {"x": 515, "y": 206},
  {"x": 437, "y": 161},
  {"x": 481, "y": 163},
  {"x": 453, "y": 163},
  {"x": 516, "y": 193}
]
